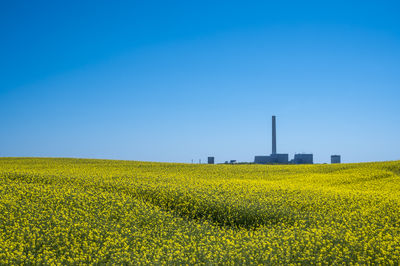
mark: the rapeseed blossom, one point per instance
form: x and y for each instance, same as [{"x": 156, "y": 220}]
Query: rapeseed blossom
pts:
[{"x": 75, "y": 211}]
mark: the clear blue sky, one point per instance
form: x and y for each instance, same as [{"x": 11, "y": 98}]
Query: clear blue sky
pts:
[{"x": 181, "y": 80}]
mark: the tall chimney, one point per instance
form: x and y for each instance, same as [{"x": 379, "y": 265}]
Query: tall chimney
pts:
[{"x": 273, "y": 135}]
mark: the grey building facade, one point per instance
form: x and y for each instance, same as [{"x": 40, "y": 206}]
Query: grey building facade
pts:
[
  {"x": 282, "y": 158},
  {"x": 303, "y": 159},
  {"x": 335, "y": 158},
  {"x": 261, "y": 159}
]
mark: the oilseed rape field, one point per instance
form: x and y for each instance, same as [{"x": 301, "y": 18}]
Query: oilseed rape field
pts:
[{"x": 79, "y": 211}]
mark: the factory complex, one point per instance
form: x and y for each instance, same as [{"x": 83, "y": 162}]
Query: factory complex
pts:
[{"x": 281, "y": 158}]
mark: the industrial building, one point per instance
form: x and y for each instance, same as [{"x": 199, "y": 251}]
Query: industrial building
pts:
[
  {"x": 273, "y": 158},
  {"x": 303, "y": 158},
  {"x": 335, "y": 158},
  {"x": 281, "y": 158}
]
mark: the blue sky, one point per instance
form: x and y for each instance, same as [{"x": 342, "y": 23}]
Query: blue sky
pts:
[{"x": 180, "y": 80}]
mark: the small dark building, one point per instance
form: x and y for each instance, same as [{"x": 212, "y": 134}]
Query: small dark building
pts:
[
  {"x": 261, "y": 159},
  {"x": 281, "y": 158},
  {"x": 335, "y": 159},
  {"x": 303, "y": 159},
  {"x": 210, "y": 160}
]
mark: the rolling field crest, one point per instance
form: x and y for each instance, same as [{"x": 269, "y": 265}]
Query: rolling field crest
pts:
[{"x": 104, "y": 211}]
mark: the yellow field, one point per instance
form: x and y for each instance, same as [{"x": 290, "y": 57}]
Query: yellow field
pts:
[{"x": 99, "y": 211}]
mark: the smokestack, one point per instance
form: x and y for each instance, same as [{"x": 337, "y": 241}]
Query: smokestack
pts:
[{"x": 273, "y": 135}]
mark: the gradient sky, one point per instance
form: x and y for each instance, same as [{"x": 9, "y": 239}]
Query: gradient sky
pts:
[{"x": 180, "y": 80}]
